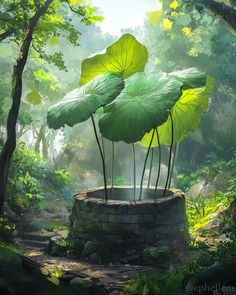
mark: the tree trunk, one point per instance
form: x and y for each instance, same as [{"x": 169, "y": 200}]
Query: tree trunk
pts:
[
  {"x": 38, "y": 140},
  {"x": 10, "y": 143},
  {"x": 224, "y": 11},
  {"x": 44, "y": 144}
]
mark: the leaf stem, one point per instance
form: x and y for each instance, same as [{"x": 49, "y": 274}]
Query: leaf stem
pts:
[
  {"x": 112, "y": 166},
  {"x": 173, "y": 164},
  {"x": 102, "y": 156},
  {"x": 133, "y": 152},
  {"x": 159, "y": 160},
  {"x": 144, "y": 166},
  {"x": 150, "y": 169},
  {"x": 170, "y": 152}
]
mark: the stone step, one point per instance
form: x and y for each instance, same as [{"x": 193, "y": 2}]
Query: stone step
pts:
[
  {"x": 37, "y": 236},
  {"x": 31, "y": 244}
]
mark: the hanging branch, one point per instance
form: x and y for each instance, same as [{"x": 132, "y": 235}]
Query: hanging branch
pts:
[
  {"x": 133, "y": 152},
  {"x": 144, "y": 166},
  {"x": 102, "y": 156},
  {"x": 171, "y": 147},
  {"x": 150, "y": 170},
  {"x": 159, "y": 160},
  {"x": 224, "y": 11},
  {"x": 5, "y": 35},
  {"x": 173, "y": 164}
]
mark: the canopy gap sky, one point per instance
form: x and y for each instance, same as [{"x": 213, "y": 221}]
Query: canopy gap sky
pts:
[{"x": 121, "y": 14}]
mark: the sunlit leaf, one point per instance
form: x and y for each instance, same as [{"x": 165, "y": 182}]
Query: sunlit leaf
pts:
[
  {"x": 78, "y": 105},
  {"x": 54, "y": 41},
  {"x": 187, "y": 31},
  {"x": 174, "y": 4},
  {"x": 186, "y": 115},
  {"x": 73, "y": 2},
  {"x": 33, "y": 97},
  {"x": 125, "y": 57},
  {"x": 154, "y": 16},
  {"x": 167, "y": 24},
  {"x": 193, "y": 52},
  {"x": 142, "y": 105},
  {"x": 44, "y": 76}
]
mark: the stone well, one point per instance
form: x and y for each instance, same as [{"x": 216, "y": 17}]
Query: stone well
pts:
[{"x": 122, "y": 224}]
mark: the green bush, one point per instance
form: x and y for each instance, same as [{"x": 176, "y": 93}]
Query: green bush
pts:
[
  {"x": 156, "y": 284},
  {"x": 199, "y": 210},
  {"x": 33, "y": 182}
]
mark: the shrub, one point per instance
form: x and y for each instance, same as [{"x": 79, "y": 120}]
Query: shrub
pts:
[{"x": 33, "y": 182}]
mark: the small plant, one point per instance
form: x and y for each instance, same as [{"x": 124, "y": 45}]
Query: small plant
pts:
[
  {"x": 156, "y": 283},
  {"x": 186, "y": 181},
  {"x": 32, "y": 181},
  {"x": 226, "y": 250},
  {"x": 200, "y": 211}
]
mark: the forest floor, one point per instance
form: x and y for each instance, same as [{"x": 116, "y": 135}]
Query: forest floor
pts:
[{"x": 32, "y": 245}]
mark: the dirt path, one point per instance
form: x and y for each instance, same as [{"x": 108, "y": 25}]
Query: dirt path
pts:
[{"x": 112, "y": 276}]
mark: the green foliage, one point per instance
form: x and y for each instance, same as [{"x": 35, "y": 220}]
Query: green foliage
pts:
[
  {"x": 56, "y": 22},
  {"x": 187, "y": 180},
  {"x": 187, "y": 110},
  {"x": 231, "y": 189},
  {"x": 81, "y": 103},
  {"x": 156, "y": 283},
  {"x": 201, "y": 210},
  {"x": 143, "y": 105},
  {"x": 226, "y": 250},
  {"x": 212, "y": 166},
  {"x": 27, "y": 192},
  {"x": 33, "y": 182},
  {"x": 125, "y": 57},
  {"x": 33, "y": 97}
]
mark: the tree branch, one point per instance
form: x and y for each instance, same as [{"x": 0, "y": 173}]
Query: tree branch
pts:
[
  {"x": 225, "y": 12},
  {"x": 75, "y": 10},
  {"x": 5, "y": 35}
]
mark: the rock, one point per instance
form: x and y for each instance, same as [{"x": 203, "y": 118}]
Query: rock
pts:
[
  {"x": 131, "y": 259},
  {"x": 95, "y": 258},
  {"x": 156, "y": 255},
  {"x": 11, "y": 215},
  {"x": 208, "y": 189},
  {"x": 195, "y": 190},
  {"x": 29, "y": 216},
  {"x": 219, "y": 275},
  {"x": 213, "y": 223},
  {"x": 57, "y": 246},
  {"x": 88, "y": 286},
  {"x": 92, "y": 247},
  {"x": 10, "y": 263},
  {"x": 221, "y": 179}
]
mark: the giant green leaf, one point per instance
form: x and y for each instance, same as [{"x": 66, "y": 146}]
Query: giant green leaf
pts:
[
  {"x": 142, "y": 105},
  {"x": 191, "y": 78},
  {"x": 125, "y": 57},
  {"x": 78, "y": 105},
  {"x": 186, "y": 114}
]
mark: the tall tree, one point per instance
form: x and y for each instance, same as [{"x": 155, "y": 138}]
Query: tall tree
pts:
[{"x": 20, "y": 25}]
